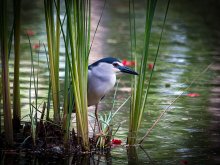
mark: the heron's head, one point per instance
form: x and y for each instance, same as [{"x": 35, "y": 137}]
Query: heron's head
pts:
[{"x": 110, "y": 64}]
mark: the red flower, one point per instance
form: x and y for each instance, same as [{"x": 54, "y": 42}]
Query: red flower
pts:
[
  {"x": 36, "y": 46},
  {"x": 116, "y": 141},
  {"x": 193, "y": 95},
  {"x": 30, "y": 32},
  {"x": 150, "y": 66},
  {"x": 128, "y": 63}
]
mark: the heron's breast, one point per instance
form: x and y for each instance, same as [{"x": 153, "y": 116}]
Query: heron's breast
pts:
[{"x": 99, "y": 86}]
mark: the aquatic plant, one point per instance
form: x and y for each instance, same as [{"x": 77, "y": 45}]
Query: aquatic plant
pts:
[
  {"x": 140, "y": 88},
  {"x": 53, "y": 41},
  {"x": 138, "y": 101},
  {"x": 78, "y": 16}
]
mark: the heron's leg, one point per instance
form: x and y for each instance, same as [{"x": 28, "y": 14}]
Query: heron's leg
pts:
[{"x": 97, "y": 119}]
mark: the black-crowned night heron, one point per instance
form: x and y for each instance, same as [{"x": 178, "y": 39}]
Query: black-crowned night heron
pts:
[{"x": 102, "y": 78}]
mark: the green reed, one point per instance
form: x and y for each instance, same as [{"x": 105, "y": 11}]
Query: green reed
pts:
[
  {"x": 68, "y": 98},
  {"x": 53, "y": 41},
  {"x": 138, "y": 91},
  {"x": 33, "y": 82},
  {"x": 78, "y": 28},
  {"x": 140, "y": 88},
  {"x": 5, "y": 73}
]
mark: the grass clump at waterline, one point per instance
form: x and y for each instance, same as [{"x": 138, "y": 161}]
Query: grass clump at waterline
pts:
[
  {"x": 43, "y": 132},
  {"x": 54, "y": 130}
]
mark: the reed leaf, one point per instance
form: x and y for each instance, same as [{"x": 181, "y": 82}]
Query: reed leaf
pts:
[
  {"x": 5, "y": 73},
  {"x": 139, "y": 96},
  {"x": 53, "y": 41},
  {"x": 78, "y": 29},
  {"x": 49, "y": 88},
  {"x": 137, "y": 102},
  {"x": 156, "y": 55},
  {"x": 33, "y": 116},
  {"x": 67, "y": 97}
]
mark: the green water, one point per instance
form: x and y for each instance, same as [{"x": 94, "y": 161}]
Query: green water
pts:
[{"x": 190, "y": 43}]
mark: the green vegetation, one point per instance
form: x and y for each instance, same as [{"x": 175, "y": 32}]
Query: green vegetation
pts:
[
  {"x": 140, "y": 88},
  {"x": 53, "y": 41},
  {"x": 78, "y": 27},
  {"x": 138, "y": 91}
]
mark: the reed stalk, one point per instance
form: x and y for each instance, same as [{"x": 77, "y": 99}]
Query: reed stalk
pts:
[
  {"x": 138, "y": 101},
  {"x": 68, "y": 97},
  {"x": 16, "y": 83},
  {"x": 33, "y": 114},
  {"x": 49, "y": 88},
  {"x": 53, "y": 41},
  {"x": 138, "y": 93},
  {"x": 5, "y": 73},
  {"x": 78, "y": 26}
]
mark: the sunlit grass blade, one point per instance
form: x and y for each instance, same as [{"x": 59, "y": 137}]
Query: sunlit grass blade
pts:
[
  {"x": 138, "y": 92},
  {"x": 5, "y": 73},
  {"x": 57, "y": 41},
  {"x": 33, "y": 116},
  {"x": 156, "y": 55},
  {"x": 49, "y": 88},
  {"x": 78, "y": 26},
  {"x": 67, "y": 103},
  {"x": 106, "y": 123},
  {"x": 139, "y": 84},
  {"x": 114, "y": 98},
  {"x": 53, "y": 41}
]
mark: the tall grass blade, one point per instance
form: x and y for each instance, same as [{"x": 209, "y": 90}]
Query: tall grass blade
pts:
[
  {"x": 137, "y": 107},
  {"x": 68, "y": 104},
  {"x": 138, "y": 92},
  {"x": 49, "y": 88},
  {"x": 78, "y": 26},
  {"x": 156, "y": 55},
  {"x": 33, "y": 116},
  {"x": 5, "y": 73},
  {"x": 53, "y": 41}
]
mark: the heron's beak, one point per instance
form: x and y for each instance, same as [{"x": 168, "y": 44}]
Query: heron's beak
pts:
[{"x": 128, "y": 70}]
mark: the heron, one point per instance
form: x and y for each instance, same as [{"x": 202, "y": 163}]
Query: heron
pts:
[{"x": 102, "y": 79}]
